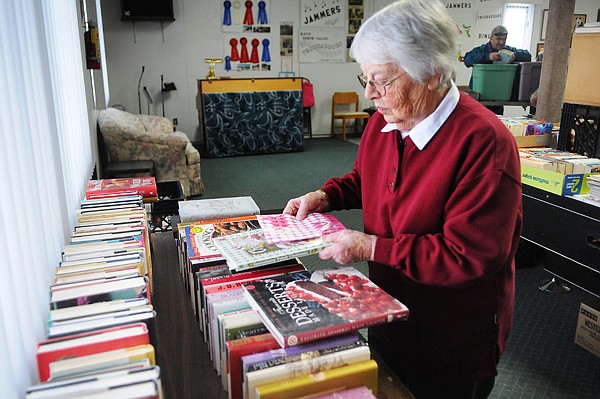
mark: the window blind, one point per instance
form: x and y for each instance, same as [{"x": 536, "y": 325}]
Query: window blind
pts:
[{"x": 45, "y": 160}]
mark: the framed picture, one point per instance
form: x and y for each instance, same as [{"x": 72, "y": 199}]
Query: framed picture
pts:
[
  {"x": 544, "y": 25},
  {"x": 578, "y": 20}
]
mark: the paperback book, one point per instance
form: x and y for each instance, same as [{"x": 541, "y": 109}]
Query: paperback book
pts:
[
  {"x": 217, "y": 208},
  {"x": 250, "y": 249},
  {"x": 283, "y": 228},
  {"x": 200, "y": 236},
  {"x": 332, "y": 301}
]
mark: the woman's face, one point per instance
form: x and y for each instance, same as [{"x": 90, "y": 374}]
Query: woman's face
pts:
[{"x": 397, "y": 97}]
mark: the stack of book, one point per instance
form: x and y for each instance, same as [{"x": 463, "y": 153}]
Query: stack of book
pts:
[
  {"x": 593, "y": 196},
  {"x": 525, "y": 126},
  {"x": 101, "y": 329},
  {"x": 558, "y": 161},
  {"x": 272, "y": 328}
]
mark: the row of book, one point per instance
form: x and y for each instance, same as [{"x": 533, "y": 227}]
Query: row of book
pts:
[
  {"x": 558, "y": 161},
  {"x": 272, "y": 328},
  {"x": 101, "y": 330},
  {"x": 525, "y": 126}
]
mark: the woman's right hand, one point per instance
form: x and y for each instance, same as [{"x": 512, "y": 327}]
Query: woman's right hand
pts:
[{"x": 315, "y": 201}]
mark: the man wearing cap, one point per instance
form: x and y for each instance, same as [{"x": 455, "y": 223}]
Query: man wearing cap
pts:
[{"x": 488, "y": 53}]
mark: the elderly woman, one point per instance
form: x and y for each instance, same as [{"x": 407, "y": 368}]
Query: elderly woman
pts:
[{"x": 437, "y": 176}]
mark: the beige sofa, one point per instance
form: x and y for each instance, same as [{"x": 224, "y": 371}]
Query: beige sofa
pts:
[{"x": 133, "y": 137}]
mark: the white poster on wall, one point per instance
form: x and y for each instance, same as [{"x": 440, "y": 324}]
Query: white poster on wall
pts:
[
  {"x": 487, "y": 19},
  {"x": 323, "y": 13},
  {"x": 322, "y": 45}
]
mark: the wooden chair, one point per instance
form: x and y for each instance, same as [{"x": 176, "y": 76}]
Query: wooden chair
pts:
[{"x": 344, "y": 106}]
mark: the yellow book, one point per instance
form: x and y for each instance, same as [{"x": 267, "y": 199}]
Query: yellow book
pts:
[{"x": 352, "y": 376}]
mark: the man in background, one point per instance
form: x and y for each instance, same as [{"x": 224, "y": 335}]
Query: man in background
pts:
[{"x": 489, "y": 52}]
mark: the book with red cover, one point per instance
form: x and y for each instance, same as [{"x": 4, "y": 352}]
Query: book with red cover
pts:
[
  {"x": 333, "y": 301},
  {"x": 89, "y": 343},
  {"x": 238, "y": 348},
  {"x": 125, "y": 186},
  {"x": 236, "y": 281}
]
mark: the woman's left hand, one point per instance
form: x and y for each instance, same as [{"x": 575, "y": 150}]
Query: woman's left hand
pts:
[{"x": 348, "y": 246}]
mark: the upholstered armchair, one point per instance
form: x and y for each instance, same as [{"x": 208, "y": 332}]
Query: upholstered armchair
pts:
[{"x": 133, "y": 137}]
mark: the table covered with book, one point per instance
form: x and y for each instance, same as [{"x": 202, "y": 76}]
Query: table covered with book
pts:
[{"x": 272, "y": 328}]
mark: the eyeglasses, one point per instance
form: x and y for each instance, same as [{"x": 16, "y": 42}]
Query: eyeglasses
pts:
[{"x": 380, "y": 87}]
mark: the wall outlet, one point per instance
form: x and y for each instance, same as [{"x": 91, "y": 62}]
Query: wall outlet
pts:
[{"x": 175, "y": 121}]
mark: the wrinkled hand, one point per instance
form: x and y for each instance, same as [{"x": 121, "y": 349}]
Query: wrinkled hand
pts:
[
  {"x": 348, "y": 246},
  {"x": 512, "y": 58},
  {"x": 494, "y": 56},
  {"x": 315, "y": 201}
]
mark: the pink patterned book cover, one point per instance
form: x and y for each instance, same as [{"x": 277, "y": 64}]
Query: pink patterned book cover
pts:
[{"x": 286, "y": 228}]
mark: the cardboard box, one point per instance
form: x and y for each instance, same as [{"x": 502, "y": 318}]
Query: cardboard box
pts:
[
  {"x": 536, "y": 140},
  {"x": 587, "y": 334},
  {"x": 554, "y": 182}
]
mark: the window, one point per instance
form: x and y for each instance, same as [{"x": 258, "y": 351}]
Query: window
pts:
[{"x": 518, "y": 19}]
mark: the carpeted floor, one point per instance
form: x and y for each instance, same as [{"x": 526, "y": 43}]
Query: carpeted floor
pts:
[{"x": 541, "y": 360}]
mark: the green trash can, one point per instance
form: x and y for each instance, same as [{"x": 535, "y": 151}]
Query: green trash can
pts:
[{"x": 494, "y": 82}]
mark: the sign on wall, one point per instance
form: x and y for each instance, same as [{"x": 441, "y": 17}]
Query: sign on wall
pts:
[
  {"x": 323, "y": 13},
  {"x": 322, "y": 45}
]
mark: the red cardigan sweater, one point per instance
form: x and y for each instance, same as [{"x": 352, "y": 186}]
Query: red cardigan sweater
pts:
[{"x": 448, "y": 220}]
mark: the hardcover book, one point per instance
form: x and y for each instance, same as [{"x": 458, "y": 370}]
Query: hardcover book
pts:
[
  {"x": 262, "y": 360},
  {"x": 351, "y": 376},
  {"x": 332, "y": 301},
  {"x": 125, "y": 186},
  {"x": 89, "y": 343},
  {"x": 233, "y": 285},
  {"x": 144, "y": 314},
  {"x": 217, "y": 208},
  {"x": 307, "y": 364},
  {"x": 67, "y": 295},
  {"x": 100, "y": 382},
  {"x": 237, "y": 348},
  {"x": 250, "y": 249},
  {"x": 98, "y": 362}
]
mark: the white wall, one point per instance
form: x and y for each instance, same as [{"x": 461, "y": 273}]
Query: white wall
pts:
[{"x": 177, "y": 50}]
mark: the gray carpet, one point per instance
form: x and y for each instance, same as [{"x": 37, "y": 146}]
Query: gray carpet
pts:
[{"x": 541, "y": 359}]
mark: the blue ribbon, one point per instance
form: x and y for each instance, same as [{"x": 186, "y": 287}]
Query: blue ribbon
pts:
[
  {"x": 266, "y": 56},
  {"x": 262, "y": 13},
  {"x": 227, "y": 13}
]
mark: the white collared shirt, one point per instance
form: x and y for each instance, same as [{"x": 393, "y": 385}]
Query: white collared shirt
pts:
[{"x": 428, "y": 127}]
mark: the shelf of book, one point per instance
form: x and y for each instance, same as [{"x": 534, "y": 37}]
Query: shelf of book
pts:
[{"x": 101, "y": 330}]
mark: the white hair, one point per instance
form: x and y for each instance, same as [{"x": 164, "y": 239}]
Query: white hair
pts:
[{"x": 418, "y": 36}]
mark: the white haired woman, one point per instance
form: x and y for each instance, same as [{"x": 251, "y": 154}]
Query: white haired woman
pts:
[{"x": 438, "y": 179}]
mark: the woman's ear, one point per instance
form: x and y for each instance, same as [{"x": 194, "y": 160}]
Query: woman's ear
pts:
[{"x": 433, "y": 83}]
